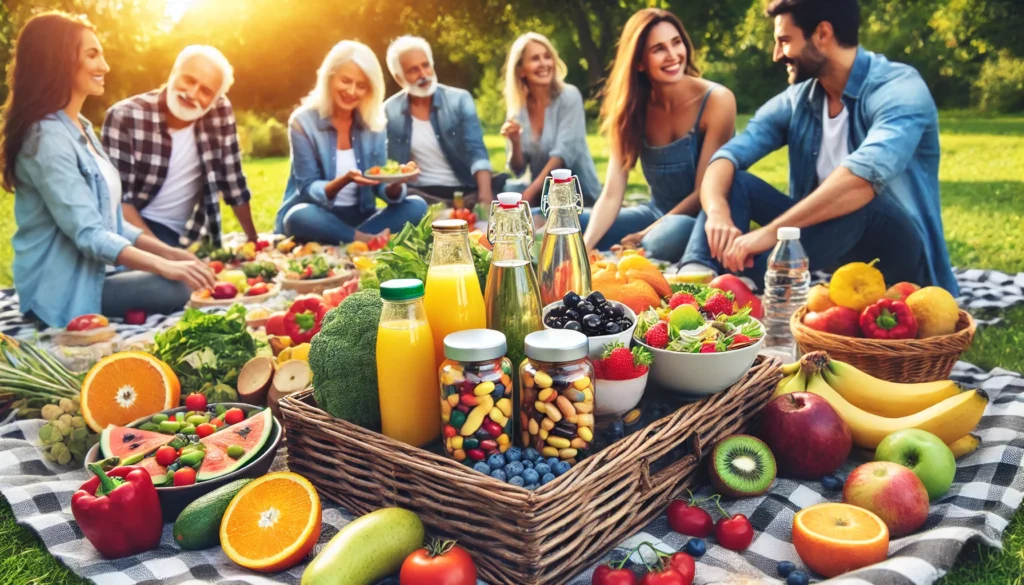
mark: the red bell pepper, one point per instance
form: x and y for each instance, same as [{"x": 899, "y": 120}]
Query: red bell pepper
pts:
[
  {"x": 303, "y": 319},
  {"x": 119, "y": 512},
  {"x": 275, "y": 325},
  {"x": 334, "y": 296},
  {"x": 888, "y": 319}
]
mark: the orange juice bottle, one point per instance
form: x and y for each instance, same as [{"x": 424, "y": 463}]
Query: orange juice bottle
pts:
[
  {"x": 453, "y": 299},
  {"x": 406, "y": 370}
]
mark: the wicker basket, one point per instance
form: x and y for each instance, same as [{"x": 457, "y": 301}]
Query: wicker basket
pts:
[
  {"x": 896, "y": 360},
  {"x": 519, "y": 537}
]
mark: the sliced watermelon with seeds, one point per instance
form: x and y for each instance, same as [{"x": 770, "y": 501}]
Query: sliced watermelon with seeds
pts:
[
  {"x": 250, "y": 434},
  {"x": 125, "y": 442}
]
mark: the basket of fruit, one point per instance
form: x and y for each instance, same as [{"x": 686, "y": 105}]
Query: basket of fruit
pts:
[{"x": 902, "y": 334}]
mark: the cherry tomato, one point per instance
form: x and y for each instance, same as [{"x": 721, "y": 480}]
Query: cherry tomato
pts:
[
  {"x": 185, "y": 476},
  {"x": 689, "y": 519},
  {"x": 196, "y": 402},
  {"x": 217, "y": 266},
  {"x": 166, "y": 455},
  {"x": 205, "y": 430},
  {"x": 669, "y": 576},
  {"x": 684, "y": 565},
  {"x": 216, "y": 422},
  {"x": 606, "y": 575},
  {"x": 134, "y": 317},
  {"x": 87, "y": 322},
  {"x": 234, "y": 416},
  {"x": 734, "y": 533},
  {"x": 440, "y": 563}
]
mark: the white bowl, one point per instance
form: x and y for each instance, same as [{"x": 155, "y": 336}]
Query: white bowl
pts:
[
  {"x": 617, "y": 397},
  {"x": 697, "y": 375},
  {"x": 597, "y": 343}
]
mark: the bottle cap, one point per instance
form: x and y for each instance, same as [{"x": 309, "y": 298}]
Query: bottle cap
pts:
[
  {"x": 556, "y": 345},
  {"x": 789, "y": 233},
  {"x": 475, "y": 345},
  {"x": 449, "y": 225},
  {"x": 401, "y": 289},
  {"x": 508, "y": 200},
  {"x": 561, "y": 175}
]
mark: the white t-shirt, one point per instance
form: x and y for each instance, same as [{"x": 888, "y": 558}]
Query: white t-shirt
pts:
[
  {"x": 349, "y": 194},
  {"x": 177, "y": 198},
  {"x": 834, "y": 141},
  {"x": 113, "y": 180},
  {"x": 428, "y": 156}
]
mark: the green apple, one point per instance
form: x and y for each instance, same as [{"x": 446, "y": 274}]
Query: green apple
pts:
[
  {"x": 924, "y": 454},
  {"x": 686, "y": 318}
]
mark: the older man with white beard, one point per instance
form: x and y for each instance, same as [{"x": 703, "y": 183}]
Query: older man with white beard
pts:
[
  {"x": 176, "y": 149},
  {"x": 437, "y": 127}
]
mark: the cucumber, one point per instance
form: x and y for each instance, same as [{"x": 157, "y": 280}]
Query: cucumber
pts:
[
  {"x": 198, "y": 525},
  {"x": 367, "y": 549}
]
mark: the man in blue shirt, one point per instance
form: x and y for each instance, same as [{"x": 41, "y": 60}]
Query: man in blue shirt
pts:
[
  {"x": 863, "y": 141},
  {"x": 436, "y": 126}
]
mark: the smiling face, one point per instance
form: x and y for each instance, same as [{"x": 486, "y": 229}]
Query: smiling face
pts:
[
  {"x": 537, "y": 65},
  {"x": 801, "y": 56},
  {"x": 92, "y": 66},
  {"x": 192, "y": 89},
  {"x": 664, "y": 54},
  {"x": 418, "y": 73},
  {"x": 349, "y": 86}
]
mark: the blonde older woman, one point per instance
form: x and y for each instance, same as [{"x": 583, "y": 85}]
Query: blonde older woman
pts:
[
  {"x": 336, "y": 135},
  {"x": 546, "y": 127}
]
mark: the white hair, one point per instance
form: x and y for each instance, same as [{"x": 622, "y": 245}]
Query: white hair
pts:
[
  {"x": 403, "y": 45},
  {"x": 213, "y": 55},
  {"x": 515, "y": 89},
  {"x": 372, "y": 109}
]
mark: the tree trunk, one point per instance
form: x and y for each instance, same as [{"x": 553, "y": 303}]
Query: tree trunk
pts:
[{"x": 578, "y": 12}]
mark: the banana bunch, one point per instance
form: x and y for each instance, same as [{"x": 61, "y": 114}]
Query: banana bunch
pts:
[
  {"x": 874, "y": 408},
  {"x": 65, "y": 435}
]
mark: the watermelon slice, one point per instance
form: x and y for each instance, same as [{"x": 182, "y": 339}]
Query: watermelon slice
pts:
[
  {"x": 250, "y": 434},
  {"x": 156, "y": 471},
  {"x": 125, "y": 442}
]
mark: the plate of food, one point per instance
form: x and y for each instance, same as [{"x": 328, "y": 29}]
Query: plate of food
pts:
[
  {"x": 225, "y": 294},
  {"x": 393, "y": 172},
  {"x": 313, "y": 275}
]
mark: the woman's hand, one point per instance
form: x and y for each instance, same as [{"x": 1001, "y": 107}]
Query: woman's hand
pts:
[
  {"x": 356, "y": 176},
  {"x": 633, "y": 240},
  {"x": 194, "y": 273},
  {"x": 721, "y": 232},
  {"x": 511, "y": 130},
  {"x": 179, "y": 254}
]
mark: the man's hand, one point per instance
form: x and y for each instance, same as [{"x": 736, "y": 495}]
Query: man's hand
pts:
[
  {"x": 740, "y": 253},
  {"x": 721, "y": 232}
]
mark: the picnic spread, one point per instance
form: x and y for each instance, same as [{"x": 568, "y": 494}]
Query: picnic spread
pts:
[{"x": 570, "y": 430}]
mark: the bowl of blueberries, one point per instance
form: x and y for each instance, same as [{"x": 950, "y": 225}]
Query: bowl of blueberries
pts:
[{"x": 601, "y": 320}]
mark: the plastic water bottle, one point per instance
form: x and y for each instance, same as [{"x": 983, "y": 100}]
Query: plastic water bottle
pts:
[{"x": 786, "y": 283}]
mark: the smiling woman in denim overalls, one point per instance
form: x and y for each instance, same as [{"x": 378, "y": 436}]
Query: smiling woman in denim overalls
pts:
[{"x": 656, "y": 109}]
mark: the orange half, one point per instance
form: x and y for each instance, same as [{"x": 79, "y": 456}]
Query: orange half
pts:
[
  {"x": 835, "y": 538},
  {"x": 273, "y": 523},
  {"x": 127, "y": 386}
]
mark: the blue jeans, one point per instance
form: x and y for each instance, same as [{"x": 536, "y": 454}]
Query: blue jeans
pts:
[
  {"x": 666, "y": 242},
  {"x": 311, "y": 223},
  {"x": 164, "y": 233},
  {"x": 881, "y": 229},
  {"x": 135, "y": 289}
]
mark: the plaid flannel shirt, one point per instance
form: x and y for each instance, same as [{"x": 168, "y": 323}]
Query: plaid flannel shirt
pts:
[{"x": 136, "y": 137}]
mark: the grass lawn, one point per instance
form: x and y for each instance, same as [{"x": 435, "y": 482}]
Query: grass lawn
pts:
[{"x": 982, "y": 176}]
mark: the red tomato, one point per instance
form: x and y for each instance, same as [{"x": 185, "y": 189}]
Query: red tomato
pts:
[
  {"x": 134, "y": 317},
  {"x": 689, "y": 519},
  {"x": 166, "y": 455},
  {"x": 440, "y": 563},
  {"x": 606, "y": 575},
  {"x": 262, "y": 245},
  {"x": 257, "y": 289},
  {"x": 215, "y": 422},
  {"x": 667, "y": 577},
  {"x": 185, "y": 476},
  {"x": 217, "y": 266},
  {"x": 684, "y": 565},
  {"x": 234, "y": 416},
  {"x": 86, "y": 322},
  {"x": 734, "y": 533},
  {"x": 205, "y": 430},
  {"x": 196, "y": 402}
]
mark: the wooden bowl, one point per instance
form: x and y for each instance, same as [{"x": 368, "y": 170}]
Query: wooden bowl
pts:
[
  {"x": 199, "y": 302},
  {"x": 318, "y": 285}
]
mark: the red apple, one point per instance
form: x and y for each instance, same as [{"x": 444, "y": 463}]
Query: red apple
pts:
[
  {"x": 741, "y": 294},
  {"x": 901, "y": 290},
  {"x": 807, "y": 437},
  {"x": 891, "y": 491},
  {"x": 838, "y": 320}
]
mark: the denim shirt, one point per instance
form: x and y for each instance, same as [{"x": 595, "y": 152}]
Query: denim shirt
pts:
[
  {"x": 564, "y": 135},
  {"x": 314, "y": 153},
  {"x": 66, "y": 236},
  {"x": 456, "y": 126},
  {"x": 893, "y": 143}
]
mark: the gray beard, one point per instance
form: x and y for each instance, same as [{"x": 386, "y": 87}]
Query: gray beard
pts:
[
  {"x": 184, "y": 113},
  {"x": 423, "y": 91}
]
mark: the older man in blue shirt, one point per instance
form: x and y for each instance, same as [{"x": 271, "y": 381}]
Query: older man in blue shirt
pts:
[
  {"x": 863, "y": 141},
  {"x": 437, "y": 127}
]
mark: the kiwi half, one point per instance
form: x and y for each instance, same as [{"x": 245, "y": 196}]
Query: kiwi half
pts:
[{"x": 741, "y": 466}]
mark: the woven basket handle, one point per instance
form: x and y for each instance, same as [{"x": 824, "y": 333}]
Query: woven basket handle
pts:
[{"x": 645, "y": 476}]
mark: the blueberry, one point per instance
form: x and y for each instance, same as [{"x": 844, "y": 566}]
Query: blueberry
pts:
[
  {"x": 572, "y": 326},
  {"x": 552, "y": 462},
  {"x": 558, "y": 323},
  {"x": 617, "y": 429},
  {"x": 561, "y": 468},
  {"x": 482, "y": 468},
  {"x": 517, "y": 480},
  {"x": 831, "y": 483},
  {"x": 550, "y": 320},
  {"x": 571, "y": 299},
  {"x": 613, "y": 311},
  {"x": 572, "y": 315},
  {"x": 498, "y": 475},
  {"x": 625, "y": 323},
  {"x": 797, "y": 578},
  {"x": 542, "y": 468},
  {"x": 785, "y": 568},
  {"x": 527, "y": 464},
  {"x": 514, "y": 454},
  {"x": 695, "y": 547},
  {"x": 585, "y": 309},
  {"x": 496, "y": 461},
  {"x": 548, "y": 478},
  {"x": 531, "y": 454},
  {"x": 513, "y": 469},
  {"x": 530, "y": 476},
  {"x": 611, "y": 328},
  {"x": 595, "y": 298},
  {"x": 591, "y": 322}
]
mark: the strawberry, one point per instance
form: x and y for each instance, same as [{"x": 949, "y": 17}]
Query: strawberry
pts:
[
  {"x": 718, "y": 304},
  {"x": 708, "y": 347},
  {"x": 642, "y": 359},
  {"x": 657, "y": 336},
  {"x": 681, "y": 298},
  {"x": 617, "y": 362}
]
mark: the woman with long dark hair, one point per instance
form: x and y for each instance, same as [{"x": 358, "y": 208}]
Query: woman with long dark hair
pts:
[
  {"x": 71, "y": 237},
  {"x": 657, "y": 110}
]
